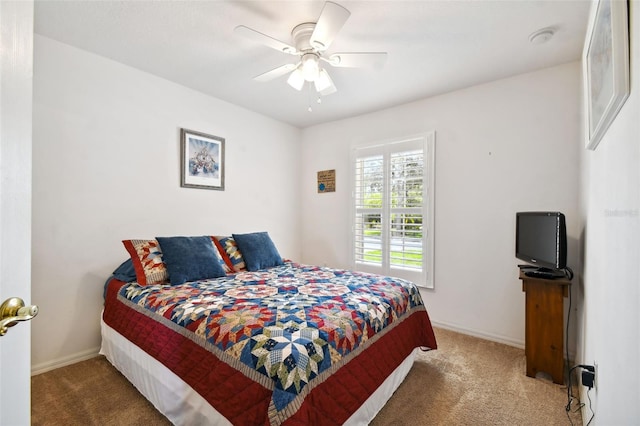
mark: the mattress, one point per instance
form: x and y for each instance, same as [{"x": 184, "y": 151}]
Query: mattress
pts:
[
  {"x": 293, "y": 344},
  {"x": 183, "y": 406}
]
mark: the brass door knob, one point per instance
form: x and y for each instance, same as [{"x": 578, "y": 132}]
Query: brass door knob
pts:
[{"x": 13, "y": 310}]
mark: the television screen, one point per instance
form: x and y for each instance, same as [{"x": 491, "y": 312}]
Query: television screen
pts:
[{"x": 541, "y": 239}]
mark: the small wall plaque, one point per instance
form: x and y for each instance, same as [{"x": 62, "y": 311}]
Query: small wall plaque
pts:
[{"x": 326, "y": 181}]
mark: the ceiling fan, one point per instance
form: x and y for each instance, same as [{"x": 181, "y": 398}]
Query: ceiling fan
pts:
[{"x": 310, "y": 43}]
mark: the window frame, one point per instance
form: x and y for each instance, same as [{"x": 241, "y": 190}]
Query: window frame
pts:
[{"x": 425, "y": 142}]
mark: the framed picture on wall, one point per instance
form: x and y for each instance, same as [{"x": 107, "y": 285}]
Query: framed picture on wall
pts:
[
  {"x": 202, "y": 160},
  {"x": 605, "y": 67}
]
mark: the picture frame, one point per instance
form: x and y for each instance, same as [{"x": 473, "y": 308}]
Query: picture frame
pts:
[
  {"x": 326, "y": 181},
  {"x": 201, "y": 160},
  {"x": 605, "y": 68}
]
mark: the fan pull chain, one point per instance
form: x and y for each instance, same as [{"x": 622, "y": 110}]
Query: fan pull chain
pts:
[{"x": 310, "y": 94}]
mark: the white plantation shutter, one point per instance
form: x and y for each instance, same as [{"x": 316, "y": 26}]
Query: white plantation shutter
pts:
[
  {"x": 393, "y": 209},
  {"x": 368, "y": 203}
]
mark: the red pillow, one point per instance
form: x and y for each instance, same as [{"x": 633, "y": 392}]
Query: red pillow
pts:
[
  {"x": 147, "y": 261},
  {"x": 231, "y": 252},
  {"x": 222, "y": 254}
]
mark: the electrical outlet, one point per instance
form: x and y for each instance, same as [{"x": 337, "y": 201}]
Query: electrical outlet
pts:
[
  {"x": 595, "y": 372},
  {"x": 588, "y": 378},
  {"x": 588, "y": 375}
]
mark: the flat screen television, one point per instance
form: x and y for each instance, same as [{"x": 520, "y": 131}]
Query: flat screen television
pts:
[{"x": 541, "y": 239}]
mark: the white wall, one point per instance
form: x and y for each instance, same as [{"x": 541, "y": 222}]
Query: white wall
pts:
[
  {"x": 611, "y": 206},
  {"x": 106, "y": 168},
  {"x": 502, "y": 147}
]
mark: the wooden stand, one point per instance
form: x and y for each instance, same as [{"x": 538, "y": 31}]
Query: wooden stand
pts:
[{"x": 544, "y": 324}]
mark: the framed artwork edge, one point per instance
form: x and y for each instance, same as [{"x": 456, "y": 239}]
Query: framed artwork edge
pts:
[
  {"x": 188, "y": 178},
  {"x": 618, "y": 67}
]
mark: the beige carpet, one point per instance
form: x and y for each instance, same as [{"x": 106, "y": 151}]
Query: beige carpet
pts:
[{"x": 467, "y": 381}]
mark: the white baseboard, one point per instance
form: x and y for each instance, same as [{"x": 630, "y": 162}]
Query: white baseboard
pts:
[
  {"x": 61, "y": 362},
  {"x": 487, "y": 336},
  {"x": 481, "y": 334}
]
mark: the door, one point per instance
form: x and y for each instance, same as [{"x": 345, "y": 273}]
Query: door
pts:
[{"x": 16, "y": 82}]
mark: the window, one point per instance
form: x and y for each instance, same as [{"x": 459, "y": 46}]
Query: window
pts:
[{"x": 393, "y": 207}]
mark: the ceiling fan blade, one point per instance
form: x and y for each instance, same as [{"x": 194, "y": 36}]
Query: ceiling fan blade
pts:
[
  {"x": 358, "y": 59},
  {"x": 264, "y": 39},
  {"x": 275, "y": 73},
  {"x": 331, "y": 20}
]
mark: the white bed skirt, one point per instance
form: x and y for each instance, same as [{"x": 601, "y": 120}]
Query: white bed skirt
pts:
[{"x": 184, "y": 406}]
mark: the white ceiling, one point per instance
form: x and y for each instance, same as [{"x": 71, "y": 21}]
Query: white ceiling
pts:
[{"x": 433, "y": 46}]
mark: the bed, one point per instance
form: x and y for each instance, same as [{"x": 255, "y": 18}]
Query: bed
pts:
[{"x": 288, "y": 344}]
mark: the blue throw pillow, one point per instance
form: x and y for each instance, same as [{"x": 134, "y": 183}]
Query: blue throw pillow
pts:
[
  {"x": 258, "y": 250},
  {"x": 190, "y": 258},
  {"x": 125, "y": 272}
]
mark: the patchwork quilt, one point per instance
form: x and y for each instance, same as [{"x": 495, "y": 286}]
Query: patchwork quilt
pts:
[{"x": 293, "y": 344}]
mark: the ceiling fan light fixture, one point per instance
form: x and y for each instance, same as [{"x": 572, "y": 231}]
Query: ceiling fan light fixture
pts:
[
  {"x": 329, "y": 90},
  {"x": 310, "y": 42},
  {"x": 310, "y": 67},
  {"x": 323, "y": 81},
  {"x": 296, "y": 79}
]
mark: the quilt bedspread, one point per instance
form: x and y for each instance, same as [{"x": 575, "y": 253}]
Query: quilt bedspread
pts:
[{"x": 287, "y": 328}]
